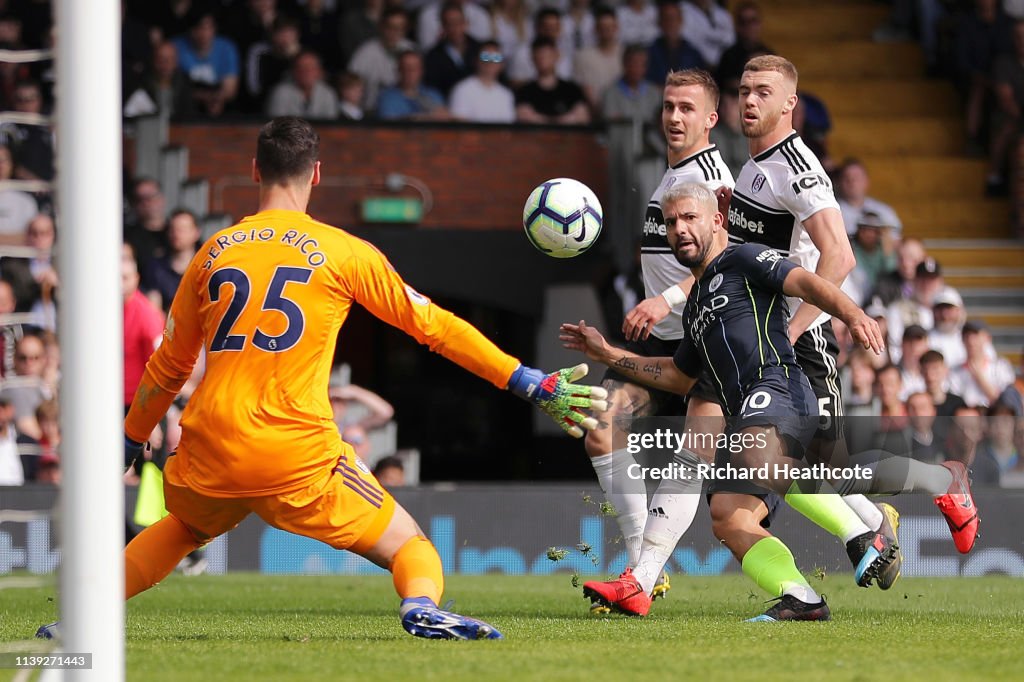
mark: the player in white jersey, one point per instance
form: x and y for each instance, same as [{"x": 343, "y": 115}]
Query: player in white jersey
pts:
[
  {"x": 784, "y": 199},
  {"x": 654, "y": 326}
]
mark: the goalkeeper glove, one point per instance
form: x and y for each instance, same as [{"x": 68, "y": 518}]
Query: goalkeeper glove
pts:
[
  {"x": 132, "y": 450},
  {"x": 559, "y": 397}
]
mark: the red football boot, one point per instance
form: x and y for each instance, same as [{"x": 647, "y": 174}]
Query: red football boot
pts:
[
  {"x": 957, "y": 505},
  {"x": 624, "y": 594}
]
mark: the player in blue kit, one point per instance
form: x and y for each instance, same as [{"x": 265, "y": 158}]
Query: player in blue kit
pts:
[{"x": 735, "y": 326}]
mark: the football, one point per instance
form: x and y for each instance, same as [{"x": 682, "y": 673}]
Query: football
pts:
[{"x": 562, "y": 217}]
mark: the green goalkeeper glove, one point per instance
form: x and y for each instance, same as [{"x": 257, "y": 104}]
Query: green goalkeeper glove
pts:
[{"x": 559, "y": 397}]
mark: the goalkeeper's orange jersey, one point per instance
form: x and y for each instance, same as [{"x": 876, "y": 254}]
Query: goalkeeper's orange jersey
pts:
[{"x": 266, "y": 299}]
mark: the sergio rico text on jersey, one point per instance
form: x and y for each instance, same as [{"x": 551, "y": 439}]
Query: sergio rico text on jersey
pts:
[{"x": 266, "y": 299}]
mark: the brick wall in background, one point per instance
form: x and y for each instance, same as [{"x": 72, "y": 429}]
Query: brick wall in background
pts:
[{"x": 479, "y": 176}]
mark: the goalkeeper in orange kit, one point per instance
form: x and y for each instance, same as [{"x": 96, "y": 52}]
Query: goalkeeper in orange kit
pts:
[{"x": 266, "y": 298}]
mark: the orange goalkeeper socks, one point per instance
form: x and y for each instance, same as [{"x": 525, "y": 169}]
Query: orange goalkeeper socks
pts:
[
  {"x": 416, "y": 570},
  {"x": 154, "y": 553}
]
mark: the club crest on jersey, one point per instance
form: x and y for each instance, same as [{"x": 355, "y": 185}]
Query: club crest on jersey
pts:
[
  {"x": 758, "y": 183},
  {"x": 716, "y": 282}
]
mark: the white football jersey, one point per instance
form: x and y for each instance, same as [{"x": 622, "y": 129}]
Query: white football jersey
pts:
[
  {"x": 775, "y": 192},
  {"x": 660, "y": 267}
]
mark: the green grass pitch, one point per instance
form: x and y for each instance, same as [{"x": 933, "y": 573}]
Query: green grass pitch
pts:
[{"x": 255, "y": 627}]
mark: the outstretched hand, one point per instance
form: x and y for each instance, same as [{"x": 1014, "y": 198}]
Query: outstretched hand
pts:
[
  {"x": 586, "y": 340},
  {"x": 867, "y": 333},
  {"x": 559, "y": 397},
  {"x": 638, "y": 322}
]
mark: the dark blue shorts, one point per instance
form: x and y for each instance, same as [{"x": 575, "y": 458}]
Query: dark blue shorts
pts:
[
  {"x": 785, "y": 402},
  {"x": 703, "y": 389}
]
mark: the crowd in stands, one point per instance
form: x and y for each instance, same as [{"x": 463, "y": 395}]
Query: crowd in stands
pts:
[
  {"x": 940, "y": 390},
  {"x": 502, "y": 61},
  {"x": 979, "y": 46}
]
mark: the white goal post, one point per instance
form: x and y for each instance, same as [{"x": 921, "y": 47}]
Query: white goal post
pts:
[{"x": 89, "y": 207}]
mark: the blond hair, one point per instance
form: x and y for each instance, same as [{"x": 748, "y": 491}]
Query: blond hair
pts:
[
  {"x": 691, "y": 190},
  {"x": 695, "y": 77},
  {"x": 773, "y": 62}
]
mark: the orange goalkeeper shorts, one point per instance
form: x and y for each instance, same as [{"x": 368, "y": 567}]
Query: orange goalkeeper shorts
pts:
[{"x": 348, "y": 509}]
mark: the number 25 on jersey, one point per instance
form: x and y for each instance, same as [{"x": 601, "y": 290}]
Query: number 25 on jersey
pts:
[{"x": 274, "y": 300}]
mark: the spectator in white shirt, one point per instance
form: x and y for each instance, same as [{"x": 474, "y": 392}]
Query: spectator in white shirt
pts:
[
  {"x": 918, "y": 308},
  {"x": 16, "y": 207},
  {"x": 512, "y": 25},
  {"x": 915, "y": 344},
  {"x": 578, "y": 26},
  {"x": 947, "y": 334},
  {"x": 708, "y": 27},
  {"x": 983, "y": 376},
  {"x": 480, "y": 97},
  {"x": 854, "y": 200},
  {"x": 376, "y": 60},
  {"x": 305, "y": 94},
  {"x": 638, "y": 22}
]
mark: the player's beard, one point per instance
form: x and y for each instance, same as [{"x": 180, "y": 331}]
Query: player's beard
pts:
[
  {"x": 702, "y": 253},
  {"x": 762, "y": 126}
]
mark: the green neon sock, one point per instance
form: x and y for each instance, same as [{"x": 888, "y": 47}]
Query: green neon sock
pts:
[
  {"x": 828, "y": 511},
  {"x": 770, "y": 564}
]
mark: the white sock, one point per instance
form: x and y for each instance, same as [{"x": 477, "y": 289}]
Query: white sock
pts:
[
  {"x": 803, "y": 592},
  {"x": 672, "y": 508},
  {"x": 634, "y": 547},
  {"x": 627, "y": 495},
  {"x": 866, "y": 510},
  {"x": 670, "y": 517}
]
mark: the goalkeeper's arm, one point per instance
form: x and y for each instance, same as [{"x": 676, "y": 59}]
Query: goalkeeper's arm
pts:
[{"x": 379, "y": 288}]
